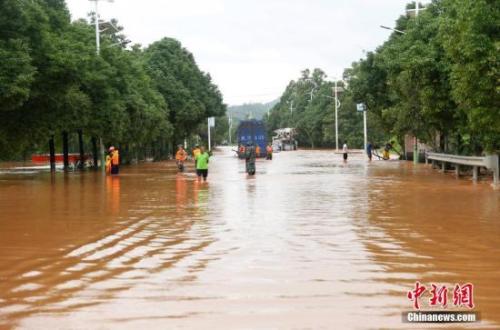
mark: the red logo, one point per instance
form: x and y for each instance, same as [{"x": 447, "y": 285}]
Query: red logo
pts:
[
  {"x": 463, "y": 295},
  {"x": 414, "y": 295}
]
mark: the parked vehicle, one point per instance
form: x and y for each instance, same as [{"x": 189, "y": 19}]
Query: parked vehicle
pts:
[{"x": 284, "y": 140}]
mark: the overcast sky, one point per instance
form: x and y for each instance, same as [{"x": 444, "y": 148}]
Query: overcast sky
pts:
[{"x": 253, "y": 48}]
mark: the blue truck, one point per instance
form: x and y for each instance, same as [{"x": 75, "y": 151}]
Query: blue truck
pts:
[{"x": 252, "y": 131}]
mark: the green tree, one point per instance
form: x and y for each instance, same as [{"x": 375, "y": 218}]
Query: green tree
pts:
[
  {"x": 470, "y": 35},
  {"x": 189, "y": 93}
]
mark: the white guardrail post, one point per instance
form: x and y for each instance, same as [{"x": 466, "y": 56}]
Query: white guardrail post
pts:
[{"x": 492, "y": 163}]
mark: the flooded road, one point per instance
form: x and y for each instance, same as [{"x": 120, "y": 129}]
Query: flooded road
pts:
[{"x": 309, "y": 242}]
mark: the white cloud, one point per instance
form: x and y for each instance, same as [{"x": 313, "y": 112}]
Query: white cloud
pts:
[{"x": 252, "y": 49}]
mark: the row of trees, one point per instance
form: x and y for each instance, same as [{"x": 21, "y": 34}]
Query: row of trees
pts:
[
  {"x": 52, "y": 82},
  {"x": 308, "y": 105},
  {"x": 437, "y": 81}
]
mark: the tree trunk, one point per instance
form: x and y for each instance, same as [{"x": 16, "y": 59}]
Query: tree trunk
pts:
[
  {"x": 94, "y": 152},
  {"x": 52, "y": 150},
  {"x": 65, "y": 150},
  {"x": 80, "y": 146},
  {"x": 442, "y": 142},
  {"x": 174, "y": 149}
]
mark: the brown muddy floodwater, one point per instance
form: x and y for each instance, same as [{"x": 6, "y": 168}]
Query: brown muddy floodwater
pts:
[{"x": 309, "y": 242}]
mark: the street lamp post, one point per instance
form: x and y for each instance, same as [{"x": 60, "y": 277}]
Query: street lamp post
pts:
[
  {"x": 98, "y": 51},
  {"x": 230, "y": 120},
  {"x": 97, "y": 29},
  {"x": 417, "y": 11},
  {"x": 336, "y": 118},
  {"x": 209, "y": 138},
  {"x": 365, "y": 129},
  {"x": 96, "y": 23},
  {"x": 361, "y": 107},
  {"x": 210, "y": 124},
  {"x": 337, "y": 107}
]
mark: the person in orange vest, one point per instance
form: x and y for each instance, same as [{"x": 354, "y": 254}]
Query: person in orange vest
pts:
[
  {"x": 269, "y": 152},
  {"x": 257, "y": 150},
  {"x": 115, "y": 160},
  {"x": 180, "y": 158}
]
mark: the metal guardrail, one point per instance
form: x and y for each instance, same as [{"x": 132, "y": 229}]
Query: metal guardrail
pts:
[{"x": 490, "y": 162}]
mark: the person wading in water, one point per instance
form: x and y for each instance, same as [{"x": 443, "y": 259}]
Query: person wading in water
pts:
[
  {"x": 269, "y": 152},
  {"x": 250, "y": 156},
  {"x": 202, "y": 164},
  {"x": 115, "y": 160},
  {"x": 345, "y": 151},
  {"x": 180, "y": 158}
]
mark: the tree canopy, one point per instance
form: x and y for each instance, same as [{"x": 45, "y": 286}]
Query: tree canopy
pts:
[
  {"x": 52, "y": 80},
  {"x": 439, "y": 78},
  {"x": 308, "y": 105}
]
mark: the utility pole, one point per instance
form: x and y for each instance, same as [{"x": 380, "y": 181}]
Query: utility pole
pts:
[
  {"x": 362, "y": 107},
  {"x": 210, "y": 124},
  {"x": 97, "y": 29},
  {"x": 291, "y": 107},
  {"x": 230, "y": 122},
  {"x": 415, "y": 141},
  {"x": 336, "y": 118},
  {"x": 209, "y": 141},
  {"x": 365, "y": 129},
  {"x": 417, "y": 9},
  {"x": 98, "y": 52},
  {"x": 312, "y": 91}
]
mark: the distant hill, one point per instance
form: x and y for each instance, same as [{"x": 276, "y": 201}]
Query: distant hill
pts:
[{"x": 250, "y": 110}]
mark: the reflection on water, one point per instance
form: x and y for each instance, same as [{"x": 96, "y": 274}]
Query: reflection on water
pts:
[
  {"x": 308, "y": 242},
  {"x": 113, "y": 194}
]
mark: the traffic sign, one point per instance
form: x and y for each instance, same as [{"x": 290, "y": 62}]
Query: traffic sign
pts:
[
  {"x": 211, "y": 121},
  {"x": 360, "y": 107}
]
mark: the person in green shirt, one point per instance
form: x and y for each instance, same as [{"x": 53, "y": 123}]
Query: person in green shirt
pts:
[{"x": 202, "y": 164}]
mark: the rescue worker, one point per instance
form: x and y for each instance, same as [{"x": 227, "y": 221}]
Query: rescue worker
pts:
[
  {"x": 250, "y": 158},
  {"x": 115, "y": 161},
  {"x": 269, "y": 152},
  {"x": 196, "y": 152},
  {"x": 202, "y": 164},
  {"x": 108, "y": 160},
  {"x": 241, "y": 151},
  {"x": 180, "y": 158},
  {"x": 387, "y": 149}
]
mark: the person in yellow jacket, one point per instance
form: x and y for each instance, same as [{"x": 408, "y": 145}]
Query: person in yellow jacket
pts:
[
  {"x": 115, "y": 161},
  {"x": 196, "y": 152},
  {"x": 108, "y": 160},
  {"x": 386, "y": 153}
]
